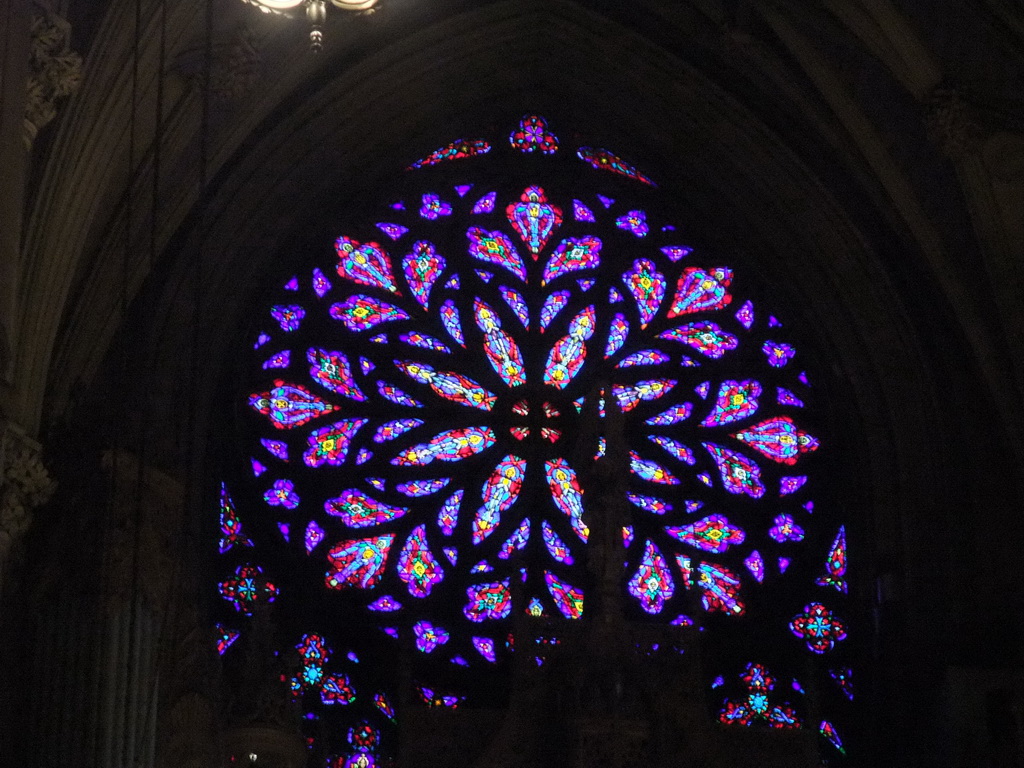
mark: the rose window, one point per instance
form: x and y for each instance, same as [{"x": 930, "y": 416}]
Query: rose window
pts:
[{"x": 432, "y": 403}]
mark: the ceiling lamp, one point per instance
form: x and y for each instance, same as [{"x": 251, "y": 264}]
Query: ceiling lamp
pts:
[{"x": 316, "y": 12}]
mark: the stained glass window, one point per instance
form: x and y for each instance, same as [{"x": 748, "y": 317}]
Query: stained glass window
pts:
[{"x": 423, "y": 475}]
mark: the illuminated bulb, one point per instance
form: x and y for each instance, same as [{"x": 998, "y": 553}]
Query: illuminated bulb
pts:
[{"x": 278, "y": 5}]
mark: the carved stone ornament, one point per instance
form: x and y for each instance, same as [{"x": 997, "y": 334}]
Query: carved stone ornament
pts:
[
  {"x": 236, "y": 69},
  {"x": 234, "y": 64},
  {"x": 55, "y": 72},
  {"x": 139, "y": 548},
  {"x": 951, "y": 126},
  {"x": 24, "y": 484}
]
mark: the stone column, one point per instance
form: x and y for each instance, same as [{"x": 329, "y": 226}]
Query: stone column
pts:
[
  {"x": 188, "y": 718},
  {"x": 140, "y": 574},
  {"x": 14, "y": 56},
  {"x": 99, "y": 618},
  {"x": 191, "y": 674},
  {"x": 37, "y": 71}
]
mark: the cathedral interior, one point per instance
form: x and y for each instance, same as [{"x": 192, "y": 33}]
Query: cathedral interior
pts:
[{"x": 165, "y": 166}]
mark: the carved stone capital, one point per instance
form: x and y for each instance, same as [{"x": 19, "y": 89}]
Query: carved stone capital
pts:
[
  {"x": 146, "y": 517},
  {"x": 55, "y": 72},
  {"x": 234, "y": 63},
  {"x": 951, "y": 124},
  {"x": 25, "y": 484}
]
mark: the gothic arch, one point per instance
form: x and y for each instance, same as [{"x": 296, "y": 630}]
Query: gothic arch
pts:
[{"x": 777, "y": 128}]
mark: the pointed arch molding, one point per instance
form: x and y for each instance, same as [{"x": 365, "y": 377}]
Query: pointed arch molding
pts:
[{"x": 324, "y": 138}]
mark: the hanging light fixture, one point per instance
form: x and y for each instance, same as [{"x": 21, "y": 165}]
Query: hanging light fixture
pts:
[{"x": 316, "y": 12}]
